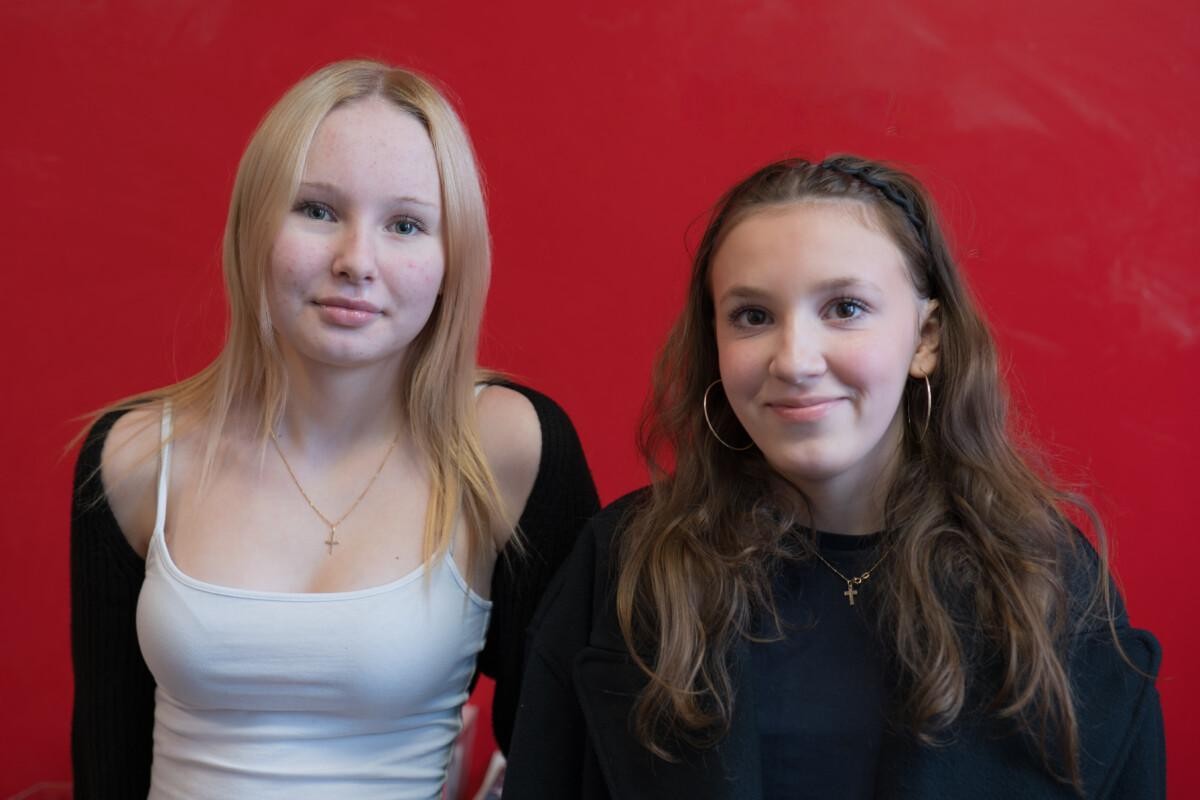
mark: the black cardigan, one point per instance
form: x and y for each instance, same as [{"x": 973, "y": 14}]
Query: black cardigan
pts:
[
  {"x": 113, "y": 721},
  {"x": 573, "y": 739}
]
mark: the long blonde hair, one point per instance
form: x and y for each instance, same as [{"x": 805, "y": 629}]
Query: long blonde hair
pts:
[
  {"x": 980, "y": 540},
  {"x": 440, "y": 369}
]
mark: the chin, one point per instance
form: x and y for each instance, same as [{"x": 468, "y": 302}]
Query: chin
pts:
[{"x": 806, "y": 470}]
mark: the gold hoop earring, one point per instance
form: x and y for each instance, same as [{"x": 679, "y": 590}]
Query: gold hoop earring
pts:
[
  {"x": 928, "y": 410},
  {"x": 711, "y": 429}
]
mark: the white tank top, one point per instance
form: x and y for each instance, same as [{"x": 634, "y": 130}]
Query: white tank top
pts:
[{"x": 304, "y": 695}]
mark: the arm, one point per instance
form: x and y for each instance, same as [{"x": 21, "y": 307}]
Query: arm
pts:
[
  {"x": 562, "y": 499},
  {"x": 1120, "y": 714},
  {"x": 1137, "y": 765},
  {"x": 113, "y": 719},
  {"x": 1145, "y": 772},
  {"x": 550, "y": 737}
]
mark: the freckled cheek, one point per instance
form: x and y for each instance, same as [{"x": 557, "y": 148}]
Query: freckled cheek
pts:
[
  {"x": 418, "y": 278},
  {"x": 280, "y": 288},
  {"x": 289, "y": 264}
]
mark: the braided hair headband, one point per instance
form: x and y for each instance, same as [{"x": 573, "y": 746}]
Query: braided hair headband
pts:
[{"x": 895, "y": 196}]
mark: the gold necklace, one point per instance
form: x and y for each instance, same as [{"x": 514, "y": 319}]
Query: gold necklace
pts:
[
  {"x": 333, "y": 526},
  {"x": 857, "y": 580}
]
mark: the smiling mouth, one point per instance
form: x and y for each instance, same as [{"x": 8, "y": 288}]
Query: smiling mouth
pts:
[
  {"x": 348, "y": 304},
  {"x": 807, "y": 410},
  {"x": 345, "y": 313}
]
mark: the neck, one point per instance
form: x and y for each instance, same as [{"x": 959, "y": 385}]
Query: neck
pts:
[
  {"x": 853, "y": 515},
  {"x": 853, "y": 502},
  {"x": 330, "y": 408}
]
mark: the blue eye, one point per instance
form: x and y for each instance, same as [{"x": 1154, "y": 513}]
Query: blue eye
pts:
[
  {"x": 314, "y": 211},
  {"x": 406, "y": 226}
]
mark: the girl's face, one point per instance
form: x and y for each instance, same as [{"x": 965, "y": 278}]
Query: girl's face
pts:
[
  {"x": 818, "y": 327},
  {"x": 356, "y": 268}
]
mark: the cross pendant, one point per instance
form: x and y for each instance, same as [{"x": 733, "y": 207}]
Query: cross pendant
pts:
[
  {"x": 332, "y": 540},
  {"x": 850, "y": 592}
]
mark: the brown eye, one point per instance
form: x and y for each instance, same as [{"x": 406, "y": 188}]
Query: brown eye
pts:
[
  {"x": 848, "y": 309},
  {"x": 749, "y": 317}
]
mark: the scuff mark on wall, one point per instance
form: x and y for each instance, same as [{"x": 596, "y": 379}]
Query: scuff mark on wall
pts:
[
  {"x": 1163, "y": 306},
  {"x": 1036, "y": 69},
  {"x": 981, "y": 106}
]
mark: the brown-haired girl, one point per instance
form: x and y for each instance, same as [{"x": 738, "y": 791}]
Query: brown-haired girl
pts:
[
  {"x": 844, "y": 580},
  {"x": 280, "y": 565}
]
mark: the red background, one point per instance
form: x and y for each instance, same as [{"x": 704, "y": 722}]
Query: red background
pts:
[{"x": 1061, "y": 148}]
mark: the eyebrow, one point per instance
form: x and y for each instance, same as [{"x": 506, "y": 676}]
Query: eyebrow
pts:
[
  {"x": 396, "y": 199},
  {"x": 742, "y": 292},
  {"x": 844, "y": 284}
]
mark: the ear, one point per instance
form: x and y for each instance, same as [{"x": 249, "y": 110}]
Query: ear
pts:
[{"x": 925, "y": 359}]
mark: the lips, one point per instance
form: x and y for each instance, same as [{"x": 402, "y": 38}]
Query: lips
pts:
[
  {"x": 346, "y": 302},
  {"x": 804, "y": 409},
  {"x": 346, "y": 312}
]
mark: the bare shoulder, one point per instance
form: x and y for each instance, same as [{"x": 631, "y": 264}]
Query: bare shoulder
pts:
[
  {"x": 511, "y": 436},
  {"x": 129, "y": 472},
  {"x": 509, "y": 430}
]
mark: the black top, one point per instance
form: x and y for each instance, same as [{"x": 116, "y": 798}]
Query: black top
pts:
[
  {"x": 573, "y": 736},
  {"x": 113, "y": 720},
  {"x": 819, "y": 690}
]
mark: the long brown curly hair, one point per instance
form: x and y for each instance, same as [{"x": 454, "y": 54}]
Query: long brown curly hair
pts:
[{"x": 977, "y": 593}]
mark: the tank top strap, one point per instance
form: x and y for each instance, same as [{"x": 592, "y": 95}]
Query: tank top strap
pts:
[{"x": 164, "y": 469}]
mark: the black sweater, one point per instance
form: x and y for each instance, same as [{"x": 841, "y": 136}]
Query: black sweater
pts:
[
  {"x": 573, "y": 734},
  {"x": 113, "y": 722}
]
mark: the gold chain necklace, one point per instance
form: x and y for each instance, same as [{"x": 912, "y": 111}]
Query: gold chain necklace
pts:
[
  {"x": 857, "y": 580},
  {"x": 333, "y": 526}
]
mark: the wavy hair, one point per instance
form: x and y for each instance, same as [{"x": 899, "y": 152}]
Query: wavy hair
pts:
[
  {"x": 977, "y": 596},
  {"x": 436, "y": 390}
]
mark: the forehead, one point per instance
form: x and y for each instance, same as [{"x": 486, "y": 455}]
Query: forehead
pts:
[
  {"x": 820, "y": 240},
  {"x": 373, "y": 141}
]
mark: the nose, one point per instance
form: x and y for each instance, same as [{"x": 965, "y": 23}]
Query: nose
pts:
[
  {"x": 354, "y": 259},
  {"x": 798, "y": 355}
]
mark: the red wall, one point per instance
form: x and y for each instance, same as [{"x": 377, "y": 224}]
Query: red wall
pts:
[{"x": 1061, "y": 147}]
